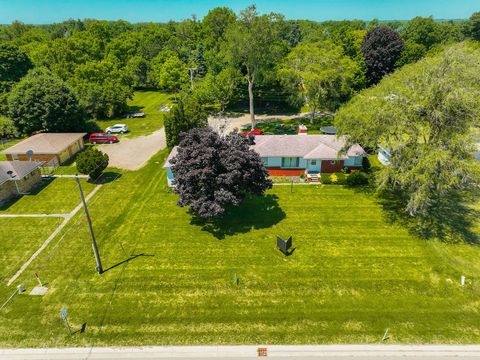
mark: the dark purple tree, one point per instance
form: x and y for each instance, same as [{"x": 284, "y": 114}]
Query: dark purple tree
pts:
[
  {"x": 213, "y": 173},
  {"x": 381, "y": 48}
]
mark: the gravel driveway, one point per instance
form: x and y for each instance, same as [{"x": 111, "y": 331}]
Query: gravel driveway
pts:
[{"x": 132, "y": 154}]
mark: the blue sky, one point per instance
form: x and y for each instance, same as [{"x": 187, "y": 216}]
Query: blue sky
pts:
[{"x": 47, "y": 11}]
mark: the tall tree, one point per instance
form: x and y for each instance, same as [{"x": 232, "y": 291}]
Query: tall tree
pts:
[
  {"x": 322, "y": 74},
  {"x": 254, "y": 45},
  {"x": 424, "y": 31},
  {"x": 381, "y": 48},
  {"x": 423, "y": 113},
  {"x": 184, "y": 116},
  {"x": 473, "y": 26},
  {"x": 43, "y": 102},
  {"x": 213, "y": 173},
  {"x": 14, "y": 64}
]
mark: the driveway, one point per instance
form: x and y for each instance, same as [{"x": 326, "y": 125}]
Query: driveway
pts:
[{"x": 132, "y": 154}]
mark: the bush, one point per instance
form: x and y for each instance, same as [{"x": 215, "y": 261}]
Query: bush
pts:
[
  {"x": 7, "y": 129},
  {"x": 357, "y": 179},
  {"x": 92, "y": 162}
]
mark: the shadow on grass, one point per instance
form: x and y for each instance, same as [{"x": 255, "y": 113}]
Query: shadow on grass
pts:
[
  {"x": 34, "y": 191},
  {"x": 132, "y": 257},
  {"x": 256, "y": 212},
  {"x": 448, "y": 219},
  {"x": 107, "y": 177}
]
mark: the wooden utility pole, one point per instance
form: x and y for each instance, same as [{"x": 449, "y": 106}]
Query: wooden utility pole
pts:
[{"x": 94, "y": 243}]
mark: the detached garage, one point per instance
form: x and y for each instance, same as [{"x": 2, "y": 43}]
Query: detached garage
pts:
[{"x": 53, "y": 149}]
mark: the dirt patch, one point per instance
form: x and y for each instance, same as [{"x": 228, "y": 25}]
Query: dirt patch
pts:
[{"x": 132, "y": 154}]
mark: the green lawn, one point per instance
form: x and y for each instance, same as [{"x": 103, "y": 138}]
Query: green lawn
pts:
[
  {"x": 148, "y": 102},
  {"x": 20, "y": 239},
  {"x": 53, "y": 196},
  {"x": 170, "y": 281}
]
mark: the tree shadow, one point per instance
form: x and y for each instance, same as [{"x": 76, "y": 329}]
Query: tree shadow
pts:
[
  {"x": 255, "y": 212},
  {"x": 449, "y": 218},
  {"x": 107, "y": 177}
]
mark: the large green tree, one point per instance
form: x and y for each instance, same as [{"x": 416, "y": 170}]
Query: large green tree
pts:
[
  {"x": 14, "y": 64},
  {"x": 473, "y": 26},
  {"x": 423, "y": 113},
  {"x": 43, "y": 102},
  {"x": 322, "y": 74},
  {"x": 253, "y": 44},
  {"x": 185, "y": 115}
]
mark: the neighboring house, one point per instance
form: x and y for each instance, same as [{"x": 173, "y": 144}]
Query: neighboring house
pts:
[
  {"x": 293, "y": 155},
  {"x": 53, "y": 149},
  {"x": 18, "y": 177}
]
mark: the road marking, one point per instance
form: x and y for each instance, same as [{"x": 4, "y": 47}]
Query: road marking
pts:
[{"x": 52, "y": 236}]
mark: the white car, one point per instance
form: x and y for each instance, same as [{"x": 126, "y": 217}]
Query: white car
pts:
[{"x": 117, "y": 128}]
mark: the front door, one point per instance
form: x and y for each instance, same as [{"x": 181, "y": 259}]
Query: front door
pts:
[{"x": 313, "y": 165}]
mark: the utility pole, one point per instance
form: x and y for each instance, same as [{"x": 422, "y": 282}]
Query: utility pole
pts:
[{"x": 94, "y": 243}]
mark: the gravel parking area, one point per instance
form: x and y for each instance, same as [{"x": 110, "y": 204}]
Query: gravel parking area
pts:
[{"x": 132, "y": 154}]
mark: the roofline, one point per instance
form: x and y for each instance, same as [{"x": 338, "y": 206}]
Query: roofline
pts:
[{"x": 7, "y": 152}]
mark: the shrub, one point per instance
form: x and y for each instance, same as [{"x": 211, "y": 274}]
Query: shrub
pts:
[
  {"x": 333, "y": 179},
  {"x": 92, "y": 162},
  {"x": 7, "y": 129},
  {"x": 357, "y": 179}
]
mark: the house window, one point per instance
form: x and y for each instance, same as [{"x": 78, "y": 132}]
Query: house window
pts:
[
  {"x": 15, "y": 156},
  {"x": 333, "y": 162},
  {"x": 313, "y": 162},
  {"x": 290, "y": 162},
  {"x": 264, "y": 161}
]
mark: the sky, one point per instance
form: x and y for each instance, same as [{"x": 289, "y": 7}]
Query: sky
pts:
[{"x": 48, "y": 11}]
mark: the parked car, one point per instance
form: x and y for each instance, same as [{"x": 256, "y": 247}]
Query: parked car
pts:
[
  {"x": 253, "y": 132},
  {"x": 102, "y": 138},
  {"x": 134, "y": 115},
  {"x": 117, "y": 128}
]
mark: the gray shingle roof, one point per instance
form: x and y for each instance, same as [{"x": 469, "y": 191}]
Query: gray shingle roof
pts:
[
  {"x": 19, "y": 169},
  {"x": 324, "y": 147},
  {"x": 45, "y": 143}
]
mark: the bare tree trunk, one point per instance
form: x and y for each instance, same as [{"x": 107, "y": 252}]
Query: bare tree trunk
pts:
[
  {"x": 250, "y": 97},
  {"x": 312, "y": 115}
]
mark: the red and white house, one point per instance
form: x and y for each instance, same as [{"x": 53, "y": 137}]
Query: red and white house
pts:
[{"x": 293, "y": 155}]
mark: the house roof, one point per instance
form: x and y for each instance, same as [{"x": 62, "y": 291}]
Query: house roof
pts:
[
  {"x": 19, "y": 169},
  {"x": 173, "y": 153},
  {"x": 45, "y": 143},
  {"x": 326, "y": 147}
]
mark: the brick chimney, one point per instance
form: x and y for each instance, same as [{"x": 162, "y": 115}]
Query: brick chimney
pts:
[{"x": 302, "y": 130}]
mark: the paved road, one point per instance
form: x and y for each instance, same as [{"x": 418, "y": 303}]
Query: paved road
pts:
[
  {"x": 325, "y": 352},
  {"x": 132, "y": 154}
]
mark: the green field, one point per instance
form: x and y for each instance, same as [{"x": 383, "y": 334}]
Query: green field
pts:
[
  {"x": 169, "y": 279},
  {"x": 148, "y": 102},
  {"x": 52, "y": 196}
]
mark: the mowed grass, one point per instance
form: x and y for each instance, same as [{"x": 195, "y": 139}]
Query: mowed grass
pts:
[
  {"x": 148, "y": 102},
  {"x": 20, "y": 238},
  {"x": 52, "y": 196},
  {"x": 169, "y": 279}
]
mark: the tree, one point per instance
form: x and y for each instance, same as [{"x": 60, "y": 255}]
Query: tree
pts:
[
  {"x": 253, "y": 44},
  {"x": 423, "y": 113},
  {"x": 43, "y": 102},
  {"x": 321, "y": 73},
  {"x": 102, "y": 89},
  {"x": 137, "y": 69},
  {"x": 200, "y": 61},
  {"x": 381, "y": 48},
  {"x": 215, "y": 24},
  {"x": 424, "y": 31},
  {"x": 412, "y": 52},
  {"x": 92, "y": 162},
  {"x": 213, "y": 173},
  {"x": 171, "y": 74},
  {"x": 14, "y": 64},
  {"x": 473, "y": 26},
  {"x": 185, "y": 115}
]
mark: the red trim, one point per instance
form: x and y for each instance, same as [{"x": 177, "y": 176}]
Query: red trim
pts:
[{"x": 276, "y": 171}]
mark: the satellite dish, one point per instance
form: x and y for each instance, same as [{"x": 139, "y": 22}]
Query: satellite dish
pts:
[
  {"x": 10, "y": 173},
  {"x": 30, "y": 154}
]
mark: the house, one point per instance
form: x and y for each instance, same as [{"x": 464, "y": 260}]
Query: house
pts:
[
  {"x": 18, "y": 177},
  {"x": 293, "y": 155},
  {"x": 52, "y": 149}
]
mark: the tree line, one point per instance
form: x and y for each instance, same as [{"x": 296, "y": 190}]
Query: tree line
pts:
[{"x": 53, "y": 77}]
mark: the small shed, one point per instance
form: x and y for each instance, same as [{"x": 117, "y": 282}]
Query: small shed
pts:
[{"x": 52, "y": 149}]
